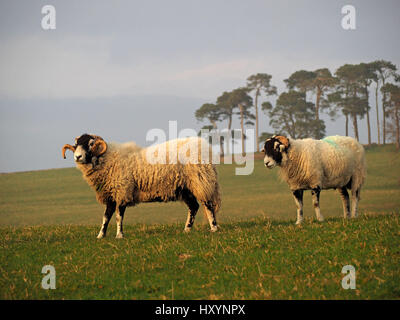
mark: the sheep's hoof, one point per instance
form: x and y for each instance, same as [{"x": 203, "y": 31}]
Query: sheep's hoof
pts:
[
  {"x": 320, "y": 218},
  {"x": 214, "y": 229},
  {"x": 187, "y": 230},
  {"x": 119, "y": 235},
  {"x": 299, "y": 222},
  {"x": 101, "y": 235}
]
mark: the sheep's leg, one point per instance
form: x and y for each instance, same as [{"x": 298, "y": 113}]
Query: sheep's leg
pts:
[
  {"x": 355, "y": 197},
  {"x": 119, "y": 215},
  {"x": 210, "y": 213},
  {"x": 193, "y": 205},
  {"x": 298, "y": 198},
  {"x": 106, "y": 219},
  {"x": 315, "y": 199},
  {"x": 346, "y": 201}
]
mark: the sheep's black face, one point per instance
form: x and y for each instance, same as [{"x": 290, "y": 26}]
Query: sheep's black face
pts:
[
  {"x": 83, "y": 152},
  {"x": 87, "y": 149},
  {"x": 273, "y": 151}
]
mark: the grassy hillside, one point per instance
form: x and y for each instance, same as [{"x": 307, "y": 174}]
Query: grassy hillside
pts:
[
  {"x": 51, "y": 217},
  {"x": 63, "y": 197}
]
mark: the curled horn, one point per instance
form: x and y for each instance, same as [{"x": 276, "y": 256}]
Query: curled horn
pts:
[
  {"x": 99, "y": 147},
  {"x": 69, "y": 147},
  {"x": 283, "y": 140}
]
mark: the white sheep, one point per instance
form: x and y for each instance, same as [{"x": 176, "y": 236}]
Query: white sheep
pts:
[
  {"x": 332, "y": 163},
  {"x": 125, "y": 175}
]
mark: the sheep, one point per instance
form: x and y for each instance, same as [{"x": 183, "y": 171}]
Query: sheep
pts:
[
  {"x": 335, "y": 162},
  {"x": 125, "y": 175}
]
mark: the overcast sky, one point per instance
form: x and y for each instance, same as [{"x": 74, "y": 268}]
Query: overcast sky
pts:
[{"x": 120, "y": 68}]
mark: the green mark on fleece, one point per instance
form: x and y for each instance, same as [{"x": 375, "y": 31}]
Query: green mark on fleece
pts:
[{"x": 330, "y": 141}]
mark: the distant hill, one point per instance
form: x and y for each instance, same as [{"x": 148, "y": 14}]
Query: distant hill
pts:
[{"x": 33, "y": 131}]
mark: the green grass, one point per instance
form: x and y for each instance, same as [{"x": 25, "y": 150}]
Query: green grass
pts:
[
  {"x": 51, "y": 217},
  {"x": 257, "y": 259}
]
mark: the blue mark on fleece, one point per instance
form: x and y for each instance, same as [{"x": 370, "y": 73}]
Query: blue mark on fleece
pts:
[{"x": 330, "y": 141}]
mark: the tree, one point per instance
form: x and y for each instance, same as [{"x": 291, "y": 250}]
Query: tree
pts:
[
  {"x": 336, "y": 98},
  {"x": 212, "y": 113},
  {"x": 383, "y": 70},
  {"x": 374, "y": 68},
  {"x": 392, "y": 93},
  {"x": 323, "y": 81},
  {"x": 367, "y": 75},
  {"x": 241, "y": 99},
  {"x": 293, "y": 115},
  {"x": 318, "y": 82},
  {"x": 301, "y": 80},
  {"x": 227, "y": 109},
  {"x": 260, "y": 82},
  {"x": 349, "y": 95}
]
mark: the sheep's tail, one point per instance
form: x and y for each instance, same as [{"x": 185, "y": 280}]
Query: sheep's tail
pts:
[
  {"x": 360, "y": 173},
  {"x": 205, "y": 187},
  {"x": 217, "y": 198}
]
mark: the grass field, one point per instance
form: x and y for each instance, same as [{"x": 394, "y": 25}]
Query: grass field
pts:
[{"x": 51, "y": 217}]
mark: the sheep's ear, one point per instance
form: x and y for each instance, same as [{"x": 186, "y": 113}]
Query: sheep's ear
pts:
[
  {"x": 263, "y": 150},
  {"x": 283, "y": 140},
  {"x": 99, "y": 147},
  {"x": 65, "y": 148}
]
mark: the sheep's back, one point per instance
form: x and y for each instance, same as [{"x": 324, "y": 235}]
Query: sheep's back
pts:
[
  {"x": 327, "y": 163},
  {"x": 159, "y": 175}
]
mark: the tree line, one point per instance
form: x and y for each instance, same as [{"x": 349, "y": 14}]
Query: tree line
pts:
[{"x": 297, "y": 111}]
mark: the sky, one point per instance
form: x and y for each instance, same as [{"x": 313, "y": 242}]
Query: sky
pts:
[{"x": 121, "y": 68}]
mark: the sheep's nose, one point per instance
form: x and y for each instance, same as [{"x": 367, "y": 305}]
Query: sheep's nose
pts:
[
  {"x": 266, "y": 163},
  {"x": 78, "y": 157}
]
